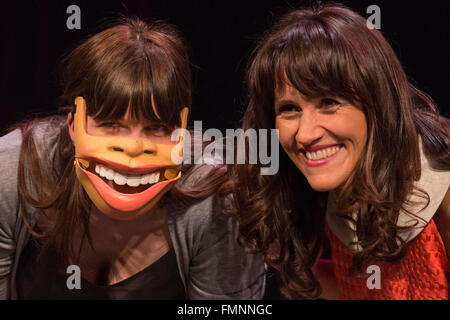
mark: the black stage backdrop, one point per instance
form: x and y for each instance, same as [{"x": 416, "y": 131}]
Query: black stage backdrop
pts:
[{"x": 220, "y": 34}]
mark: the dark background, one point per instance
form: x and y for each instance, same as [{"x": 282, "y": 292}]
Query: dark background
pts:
[{"x": 221, "y": 34}]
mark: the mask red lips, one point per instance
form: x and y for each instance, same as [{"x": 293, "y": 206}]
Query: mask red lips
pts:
[{"x": 118, "y": 196}]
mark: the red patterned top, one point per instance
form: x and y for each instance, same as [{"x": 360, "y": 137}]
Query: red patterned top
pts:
[{"x": 422, "y": 274}]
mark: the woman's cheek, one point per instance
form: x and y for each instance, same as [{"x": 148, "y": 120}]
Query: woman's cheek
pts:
[{"x": 287, "y": 130}]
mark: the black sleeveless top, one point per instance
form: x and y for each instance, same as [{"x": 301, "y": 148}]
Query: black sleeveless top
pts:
[{"x": 41, "y": 280}]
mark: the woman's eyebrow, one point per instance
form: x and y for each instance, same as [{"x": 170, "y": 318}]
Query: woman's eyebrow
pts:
[
  {"x": 144, "y": 123},
  {"x": 279, "y": 103}
]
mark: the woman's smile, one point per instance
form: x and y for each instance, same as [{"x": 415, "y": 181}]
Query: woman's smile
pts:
[{"x": 319, "y": 155}]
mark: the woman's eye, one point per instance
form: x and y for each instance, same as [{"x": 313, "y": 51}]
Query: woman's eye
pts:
[
  {"x": 288, "y": 109},
  {"x": 158, "y": 130},
  {"x": 328, "y": 102},
  {"x": 110, "y": 125}
]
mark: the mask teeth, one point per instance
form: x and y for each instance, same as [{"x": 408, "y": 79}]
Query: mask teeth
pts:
[{"x": 120, "y": 179}]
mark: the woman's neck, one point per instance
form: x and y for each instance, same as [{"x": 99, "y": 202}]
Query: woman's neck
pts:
[{"x": 151, "y": 221}]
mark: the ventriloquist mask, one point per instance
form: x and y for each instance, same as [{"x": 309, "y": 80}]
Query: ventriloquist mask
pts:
[{"x": 124, "y": 177}]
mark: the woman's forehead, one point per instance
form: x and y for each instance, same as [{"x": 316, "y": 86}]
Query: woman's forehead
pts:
[
  {"x": 138, "y": 116},
  {"x": 285, "y": 90},
  {"x": 131, "y": 113},
  {"x": 307, "y": 90}
]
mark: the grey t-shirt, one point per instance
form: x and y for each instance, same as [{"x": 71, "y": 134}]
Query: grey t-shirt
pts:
[{"x": 211, "y": 264}]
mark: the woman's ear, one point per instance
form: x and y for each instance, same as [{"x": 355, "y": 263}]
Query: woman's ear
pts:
[{"x": 70, "y": 124}]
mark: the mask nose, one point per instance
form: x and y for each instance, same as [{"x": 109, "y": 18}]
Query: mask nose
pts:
[{"x": 133, "y": 148}]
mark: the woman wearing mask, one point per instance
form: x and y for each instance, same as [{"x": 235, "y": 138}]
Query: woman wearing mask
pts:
[{"x": 100, "y": 189}]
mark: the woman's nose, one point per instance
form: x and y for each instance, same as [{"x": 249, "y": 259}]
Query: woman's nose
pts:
[{"x": 309, "y": 129}]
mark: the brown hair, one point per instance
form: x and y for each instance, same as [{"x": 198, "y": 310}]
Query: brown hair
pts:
[
  {"x": 329, "y": 51},
  {"x": 132, "y": 66}
]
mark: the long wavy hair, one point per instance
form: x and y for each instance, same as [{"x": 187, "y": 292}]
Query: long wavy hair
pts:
[
  {"x": 132, "y": 66},
  {"x": 327, "y": 51}
]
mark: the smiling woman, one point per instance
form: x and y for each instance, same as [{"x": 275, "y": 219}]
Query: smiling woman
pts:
[
  {"x": 102, "y": 185},
  {"x": 365, "y": 159}
]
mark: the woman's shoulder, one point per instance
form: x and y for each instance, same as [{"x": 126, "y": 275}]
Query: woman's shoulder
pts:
[
  {"x": 202, "y": 210},
  {"x": 423, "y": 203},
  {"x": 10, "y": 145},
  {"x": 45, "y": 135},
  {"x": 9, "y": 159},
  {"x": 11, "y": 141},
  {"x": 44, "y": 132},
  {"x": 206, "y": 213},
  {"x": 39, "y": 136},
  {"x": 434, "y": 182},
  {"x": 418, "y": 210}
]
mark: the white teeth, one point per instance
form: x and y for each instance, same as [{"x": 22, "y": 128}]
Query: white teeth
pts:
[
  {"x": 321, "y": 154},
  {"x": 329, "y": 152},
  {"x": 109, "y": 174},
  {"x": 145, "y": 179},
  {"x": 134, "y": 181},
  {"x": 122, "y": 179},
  {"x": 154, "y": 177}
]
